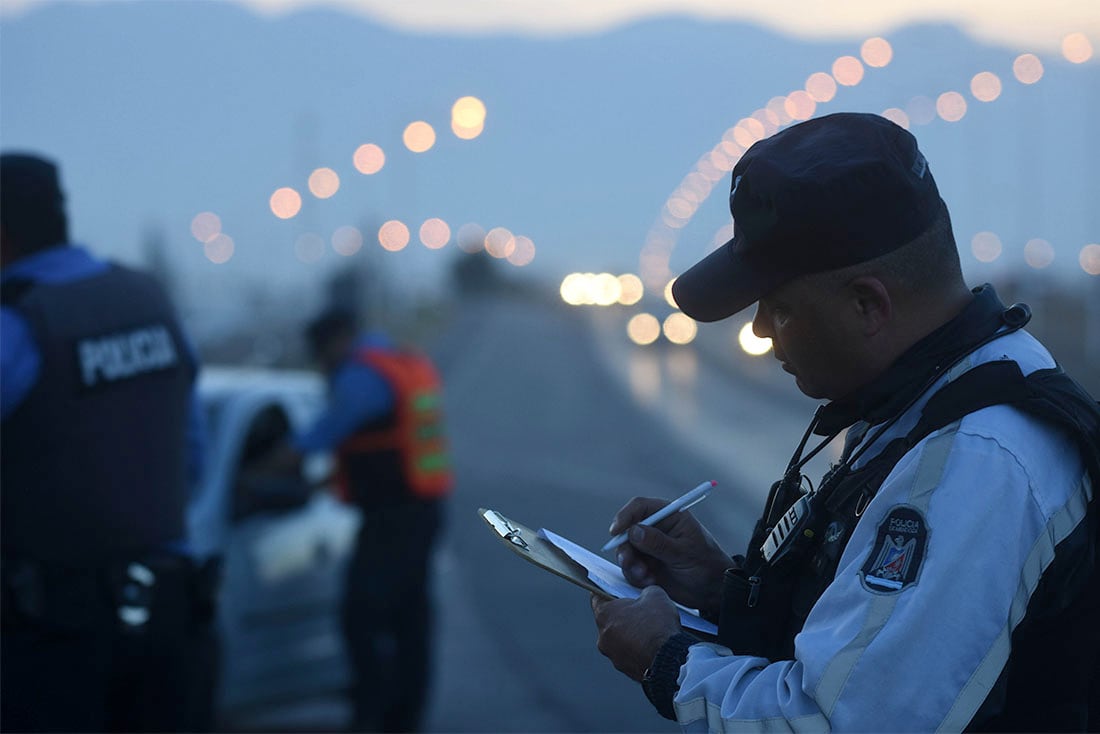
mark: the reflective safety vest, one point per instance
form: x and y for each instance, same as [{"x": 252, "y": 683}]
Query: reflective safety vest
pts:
[{"x": 404, "y": 454}]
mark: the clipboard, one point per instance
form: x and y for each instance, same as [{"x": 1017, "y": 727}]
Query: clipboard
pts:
[
  {"x": 527, "y": 544},
  {"x": 544, "y": 552}
]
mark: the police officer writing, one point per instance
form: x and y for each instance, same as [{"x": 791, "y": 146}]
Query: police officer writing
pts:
[
  {"x": 384, "y": 423},
  {"x": 942, "y": 575},
  {"x": 100, "y": 432}
]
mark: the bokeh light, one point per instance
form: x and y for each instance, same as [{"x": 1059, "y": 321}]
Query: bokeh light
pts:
[
  {"x": 696, "y": 187},
  {"x": 468, "y": 111},
  {"x": 309, "y": 247},
  {"x": 393, "y": 235},
  {"x": 323, "y": 183},
  {"x": 751, "y": 343},
  {"x": 896, "y": 116},
  {"x": 1027, "y": 68},
  {"x": 500, "y": 242},
  {"x": 986, "y": 247},
  {"x": 285, "y": 203},
  {"x": 748, "y": 131},
  {"x": 435, "y": 233},
  {"x": 679, "y": 328},
  {"x": 369, "y": 159},
  {"x": 206, "y": 226},
  {"x": 821, "y": 87},
  {"x": 573, "y": 289},
  {"x": 951, "y": 106},
  {"x": 219, "y": 248},
  {"x": 604, "y": 289},
  {"x": 876, "y": 52},
  {"x": 1077, "y": 48},
  {"x": 631, "y": 289},
  {"x": 419, "y": 136},
  {"x": 668, "y": 294},
  {"x": 1038, "y": 253},
  {"x": 921, "y": 110},
  {"x": 347, "y": 241},
  {"x": 467, "y": 133},
  {"x": 1090, "y": 258},
  {"x": 643, "y": 329},
  {"x": 985, "y": 86},
  {"x": 848, "y": 70},
  {"x": 722, "y": 235},
  {"x": 768, "y": 119},
  {"x": 524, "y": 253},
  {"x": 471, "y": 238},
  {"x": 800, "y": 105},
  {"x": 680, "y": 208},
  {"x": 778, "y": 107}
]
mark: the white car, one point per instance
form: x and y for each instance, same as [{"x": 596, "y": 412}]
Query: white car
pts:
[{"x": 284, "y": 547}]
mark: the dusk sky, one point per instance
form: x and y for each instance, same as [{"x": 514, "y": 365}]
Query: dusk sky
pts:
[{"x": 595, "y": 141}]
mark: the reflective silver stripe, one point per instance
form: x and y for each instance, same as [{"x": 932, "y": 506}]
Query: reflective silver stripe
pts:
[
  {"x": 929, "y": 473},
  {"x": 1042, "y": 553},
  {"x": 701, "y": 709},
  {"x": 690, "y": 711}
]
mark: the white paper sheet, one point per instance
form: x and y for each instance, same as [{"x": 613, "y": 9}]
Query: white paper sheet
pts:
[{"x": 610, "y": 578}]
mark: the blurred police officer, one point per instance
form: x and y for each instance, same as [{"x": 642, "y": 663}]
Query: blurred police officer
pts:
[
  {"x": 384, "y": 423},
  {"x": 943, "y": 575},
  {"x": 100, "y": 432}
]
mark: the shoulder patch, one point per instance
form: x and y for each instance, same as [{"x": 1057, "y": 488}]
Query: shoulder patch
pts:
[{"x": 895, "y": 561}]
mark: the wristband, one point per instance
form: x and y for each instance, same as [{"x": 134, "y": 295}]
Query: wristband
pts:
[{"x": 661, "y": 679}]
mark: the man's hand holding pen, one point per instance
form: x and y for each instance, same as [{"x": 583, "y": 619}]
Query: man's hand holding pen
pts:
[
  {"x": 673, "y": 559},
  {"x": 677, "y": 554}
]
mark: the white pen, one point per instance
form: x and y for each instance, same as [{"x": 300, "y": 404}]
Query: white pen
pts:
[{"x": 688, "y": 500}]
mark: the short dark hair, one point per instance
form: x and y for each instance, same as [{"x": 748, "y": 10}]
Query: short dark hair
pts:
[
  {"x": 927, "y": 263},
  {"x": 331, "y": 324},
  {"x": 32, "y": 206}
]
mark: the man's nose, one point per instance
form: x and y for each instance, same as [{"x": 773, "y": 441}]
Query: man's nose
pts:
[{"x": 761, "y": 324}]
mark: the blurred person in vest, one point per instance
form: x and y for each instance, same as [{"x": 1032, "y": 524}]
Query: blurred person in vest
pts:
[
  {"x": 384, "y": 424},
  {"x": 101, "y": 438}
]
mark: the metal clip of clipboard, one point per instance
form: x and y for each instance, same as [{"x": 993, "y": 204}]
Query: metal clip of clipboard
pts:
[{"x": 505, "y": 529}]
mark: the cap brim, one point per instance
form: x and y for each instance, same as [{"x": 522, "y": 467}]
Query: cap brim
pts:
[{"x": 720, "y": 285}]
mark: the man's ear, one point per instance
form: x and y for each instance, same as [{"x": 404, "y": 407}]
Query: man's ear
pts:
[{"x": 872, "y": 304}]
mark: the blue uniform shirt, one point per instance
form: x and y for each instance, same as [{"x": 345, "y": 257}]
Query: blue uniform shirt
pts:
[
  {"x": 21, "y": 361},
  {"x": 358, "y": 393},
  {"x": 997, "y": 491}
]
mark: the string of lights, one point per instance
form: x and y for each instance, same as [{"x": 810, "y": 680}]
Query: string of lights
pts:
[
  {"x": 467, "y": 122},
  {"x": 801, "y": 104}
]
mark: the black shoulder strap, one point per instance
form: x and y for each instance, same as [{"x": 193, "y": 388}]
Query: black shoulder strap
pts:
[{"x": 1050, "y": 395}]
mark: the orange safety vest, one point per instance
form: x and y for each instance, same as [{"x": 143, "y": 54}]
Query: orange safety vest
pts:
[{"x": 416, "y": 434}]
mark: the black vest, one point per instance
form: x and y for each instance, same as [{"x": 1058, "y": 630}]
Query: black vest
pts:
[
  {"x": 94, "y": 458},
  {"x": 1045, "y": 685},
  {"x": 376, "y": 478}
]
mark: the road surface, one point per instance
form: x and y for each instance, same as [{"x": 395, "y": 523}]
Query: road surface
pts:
[{"x": 556, "y": 420}]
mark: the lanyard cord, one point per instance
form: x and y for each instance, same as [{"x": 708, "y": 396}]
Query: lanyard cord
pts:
[
  {"x": 1014, "y": 323},
  {"x": 794, "y": 467}
]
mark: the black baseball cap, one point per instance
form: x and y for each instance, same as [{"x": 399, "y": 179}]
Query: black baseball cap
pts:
[
  {"x": 821, "y": 195},
  {"x": 30, "y": 191}
]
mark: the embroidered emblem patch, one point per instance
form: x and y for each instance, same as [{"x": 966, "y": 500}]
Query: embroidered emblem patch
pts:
[
  {"x": 833, "y": 532},
  {"x": 895, "y": 561}
]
